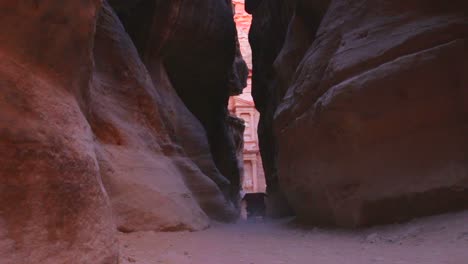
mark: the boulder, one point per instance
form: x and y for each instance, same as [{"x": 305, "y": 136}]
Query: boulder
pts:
[{"x": 371, "y": 125}]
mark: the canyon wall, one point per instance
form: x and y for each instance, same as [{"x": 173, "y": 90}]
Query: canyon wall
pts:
[
  {"x": 111, "y": 116},
  {"x": 364, "y": 106},
  {"x": 267, "y": 35}
]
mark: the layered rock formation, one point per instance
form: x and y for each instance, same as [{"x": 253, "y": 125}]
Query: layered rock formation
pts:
[
  {"x": 107, "y": 125},
  {"x": 368, "y": 100}
]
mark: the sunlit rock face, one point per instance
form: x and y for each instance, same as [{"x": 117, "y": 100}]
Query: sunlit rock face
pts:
[
  {"x": 370, "y": 124},
  {"x": 94, "y": 134}
]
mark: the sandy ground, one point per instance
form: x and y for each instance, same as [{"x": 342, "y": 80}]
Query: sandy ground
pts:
[{"x": 435, "y": 240}]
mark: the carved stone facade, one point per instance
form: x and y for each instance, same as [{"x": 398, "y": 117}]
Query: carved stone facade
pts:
[{"x": 243, "y": 107}]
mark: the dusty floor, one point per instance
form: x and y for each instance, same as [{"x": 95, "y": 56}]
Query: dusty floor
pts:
[{"x": 435, "y": 240}]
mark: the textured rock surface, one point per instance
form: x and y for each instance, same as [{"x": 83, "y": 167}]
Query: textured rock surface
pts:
[
  {"x": 94, "y": 136},
  {"x": 53, "y": 205},
  {"x": 371, "y": 125},
  {"x": 159, "y": 145},
  {"x": 197, "y": 53}
]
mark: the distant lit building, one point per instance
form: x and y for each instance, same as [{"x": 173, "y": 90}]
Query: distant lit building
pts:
[{"x": 243, "y": 106}]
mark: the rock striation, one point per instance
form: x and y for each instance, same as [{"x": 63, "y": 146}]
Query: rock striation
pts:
[{"x": 363, "y": 106}]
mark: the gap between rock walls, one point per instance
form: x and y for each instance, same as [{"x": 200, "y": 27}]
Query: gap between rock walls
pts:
[{"x": 126, "y": 117}]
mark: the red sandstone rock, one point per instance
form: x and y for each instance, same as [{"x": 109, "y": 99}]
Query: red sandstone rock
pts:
[
  {"x": 372, "y": 126},
  {"x": 147, "y": 172},
  {"x": 197, "y": 54},
  {"x": 53, "y": 206},
  {"x": 92, "y": 137}
]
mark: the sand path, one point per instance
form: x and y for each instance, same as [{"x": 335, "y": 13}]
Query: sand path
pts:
[{"x": 435, "y": 240}]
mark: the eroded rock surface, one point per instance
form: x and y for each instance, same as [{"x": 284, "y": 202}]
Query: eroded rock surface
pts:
[
  {"x": 53, "y": 205},
  {"x": 96, "y": 133},
  {"x": 370, "y": 126}
]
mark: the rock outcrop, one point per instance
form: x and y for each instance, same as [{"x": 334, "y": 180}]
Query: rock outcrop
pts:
[
  {"x": 109, "y": 120},
  {"x": 370, "y": 108}
]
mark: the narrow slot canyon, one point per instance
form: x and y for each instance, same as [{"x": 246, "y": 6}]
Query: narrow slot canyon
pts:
[{"x": 233, "y": 131}]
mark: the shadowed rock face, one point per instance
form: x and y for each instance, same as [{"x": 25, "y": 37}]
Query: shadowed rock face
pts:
[
  {"x": 370, "y": 115},
  {"x": 267, "y": 35},
  {"x": 215, "y": 49},
  {"x": 95, "y": 136},
  {"x": 197, "y": 55}
]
